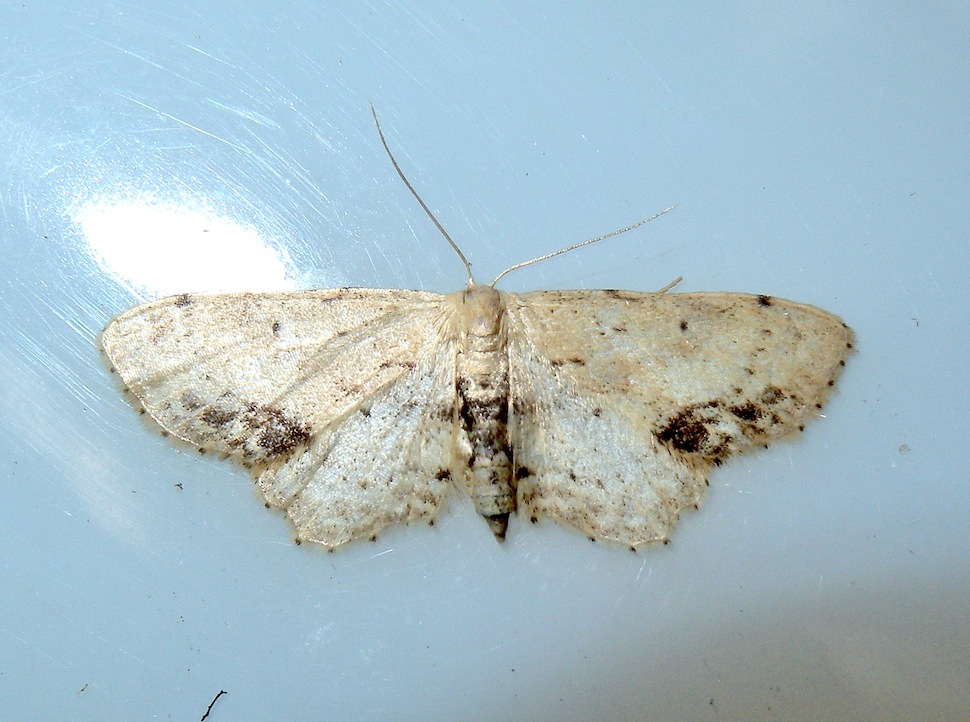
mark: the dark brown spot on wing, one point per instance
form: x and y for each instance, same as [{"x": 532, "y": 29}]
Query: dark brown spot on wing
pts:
[
  {"x": 623, "y": 295},
  {"x": 190, "y": 401},
  {"x": 218, "y": 417},
  {"x": 687, "y": 430},
  {"x": 280, "y": 434},
  {"x": 715, "y": 429},
  {"x": 410, "y": 365},
  {"x": 772, "y": 395},
  {"x": 746, "y": 411},
  {"x": 523, "y": 472}
]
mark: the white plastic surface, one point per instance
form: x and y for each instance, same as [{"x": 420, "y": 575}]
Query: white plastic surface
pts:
[{"x": 817, "y": 151}]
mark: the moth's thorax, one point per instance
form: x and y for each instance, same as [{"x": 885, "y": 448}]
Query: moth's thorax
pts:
[{"x": 482, "y": 380}]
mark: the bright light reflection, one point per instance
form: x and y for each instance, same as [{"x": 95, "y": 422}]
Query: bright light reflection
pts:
[{"x": 164, "y": 248}]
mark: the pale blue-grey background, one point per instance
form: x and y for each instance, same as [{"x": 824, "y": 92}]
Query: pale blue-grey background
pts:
[{"x": 817, "y": 151}]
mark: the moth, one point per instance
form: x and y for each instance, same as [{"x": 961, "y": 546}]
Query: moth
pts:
[{"x": 361, "y": 408}]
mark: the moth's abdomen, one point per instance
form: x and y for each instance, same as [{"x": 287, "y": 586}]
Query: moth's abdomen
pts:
[{"x": 483, "y": 403}]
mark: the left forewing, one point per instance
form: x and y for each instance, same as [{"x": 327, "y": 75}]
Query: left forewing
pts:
[{"x": 257, "y": 375}]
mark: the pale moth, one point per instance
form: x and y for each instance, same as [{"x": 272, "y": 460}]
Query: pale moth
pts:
[{"x": 360, "y": 408}]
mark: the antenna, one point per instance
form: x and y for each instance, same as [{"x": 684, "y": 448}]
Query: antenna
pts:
[
  {"x": 517, "y": 266},
  {"x": 468, "y": 266},
  {"x": 573, "y": 247}
]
